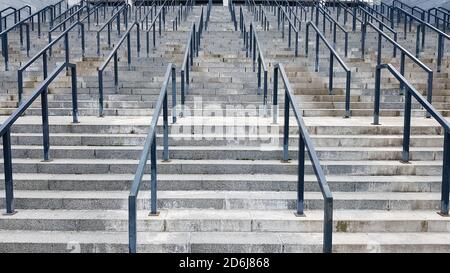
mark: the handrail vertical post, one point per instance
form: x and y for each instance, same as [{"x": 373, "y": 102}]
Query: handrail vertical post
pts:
[
  {"x": 328, "y": 226},
  {"x": 165, "y": 128},
  {"x": 44, "y": 103},
  {"x": 300, "y": 174},
  {"x": 376, "y": 109},
  {"x": 286, "y": 127},
  {"x": 407, "y": 126},
  {"x": 330, "y": 80},
  {"x": 116, "y": 71},
  {"x": 445, "y": 188},
  {"x": 153, "y": 183},
  {"x": 7, "y": 163},
  {"x": 100, "y": 93},
  {"x": 275, "y": 95},
  {"x": 174, "y": 95},
  {"x": 73, "y": 73}
]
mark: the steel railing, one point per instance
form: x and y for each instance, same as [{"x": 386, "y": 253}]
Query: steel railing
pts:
[
  {"x": 67, "y": 14},
  {"x": 282, "y": 17},
  {"x": 333, "y": 27},
  {"x": 254, "y": 50},
  {"x": 404, "y": 53},
  {"x": 333, "y": 55},
  {"x": 410, "y": 92},
  {"x": 5, "y": 129},
  {"x": 160, "y": 16},
  {"x": 45, "y": 54},
  {"x": 115, "y": 55},
  {"x": 150, "y": 151},
  {"x": 20, "y": 24},
  {"x": 191, "y": 50},
  {"x": 108, "y": 25},
  {"x": 17, "y": 13},
  {"x": 304, "y": 142},
  {"x": 421, "y": 27}
]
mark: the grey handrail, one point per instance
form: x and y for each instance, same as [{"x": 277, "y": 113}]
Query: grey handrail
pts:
[
  {"x": 333, "y": 55},
  {"x": 150, "y": 150},
  {"x": 123, "y": 10},
  {"x": 335, "y": 26},
  {"x": 281, "y": 19},
  {"x": 304, "y": 142},
  {"x": 44, "y": 53},
  {"x": 254, "y": 50},
  {"x": 114, "y": 54},
  {"x": 191, "y": 49},
  {"x": 404, "y": 53},
  {"x": 410, "y": 92},
  {"x": 421, "y": 26},
  {"x": 5, "y": 128},
  {"x": 4, "y": 33}
]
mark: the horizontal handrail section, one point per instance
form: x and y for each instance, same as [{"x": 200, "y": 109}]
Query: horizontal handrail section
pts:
[{"x": 304, "y": 142}]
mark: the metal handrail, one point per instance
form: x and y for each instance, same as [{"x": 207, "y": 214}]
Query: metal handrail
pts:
[
  {"x": 15, "y": 12},
  {"x": 404, "y": 53},
  {"x": 107, "y": 24},
  {"x": 150, "y": 150},
  {"x": 95, "y": 9},
  {"x": 232, "y": 10},
  {"x": 160, "y": 16},
  {"x": 333, "y": 55},
  {"x": 5, "y": 128},
  {"x": 346, "y": 11},
  {"x": 304, "y": 142},
  {"x": 365, "y": 5},
  {"x": 114, "y": 54},
  {"x": 335, "y": 26},
  {"x": 192, "y": 48},
  {"x": 4, "y": 33},
  {"x": 43, "y": 53},
  {"x": 254, "y": 50},
  {"x": 421, "y": 26},
  {"x": 281, "y": 19},
  {"x": 69, "y": 12},
  {"x": 382, "y": 25},
  {"x": 410, "y": 91},
  {"x": 437, "y": 18}
]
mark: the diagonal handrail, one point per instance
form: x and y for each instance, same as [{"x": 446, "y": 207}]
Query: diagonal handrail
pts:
[
  {"x": 304, "y": 142},
  {"x": 108, "y": 24},
  {"x": 422, "y": 25},
  {"x": 5, "y": 128},
  {"x": 411, "y": 91},
  {"x": 115, "y": 55},
  {"x": 334, "y": 26},
  {"x": 404, "y": 53},
  {"x": 20, "y": 24},
  {"x": 254, "y": 50},
  {"x": 17, "y": 13},
  {"x": 282, "y": 17},
  {"x": 150, "y": 151},
  {"x": 45, "y": 53},
  {"x": 191, "y": 50},
  {"x": 333, "y": 55}
]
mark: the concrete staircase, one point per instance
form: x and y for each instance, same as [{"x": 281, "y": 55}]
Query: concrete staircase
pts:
[{"x": 225, "y": 188}]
